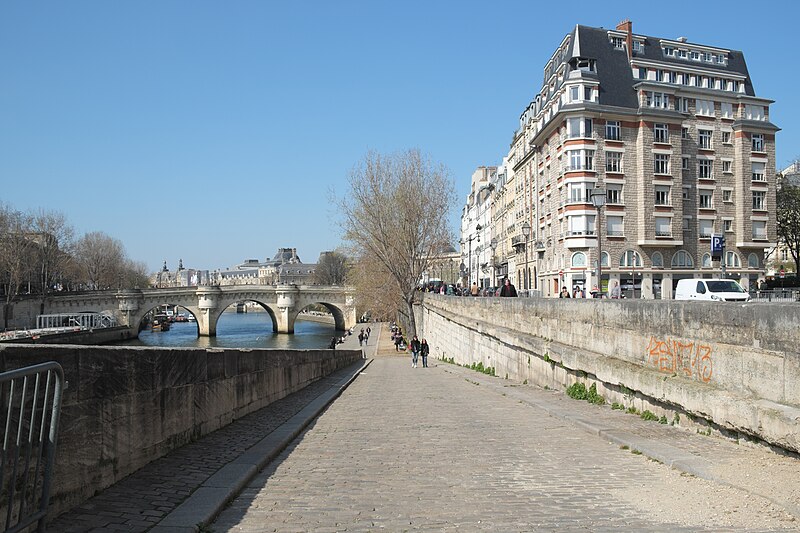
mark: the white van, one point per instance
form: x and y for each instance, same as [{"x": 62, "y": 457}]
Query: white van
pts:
[{"x": 715, "y": 290}]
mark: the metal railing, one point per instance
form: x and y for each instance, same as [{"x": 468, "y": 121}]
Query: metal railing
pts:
[
  {"x": 775, "y": 295},
  {"x": 31, "y": 405}
]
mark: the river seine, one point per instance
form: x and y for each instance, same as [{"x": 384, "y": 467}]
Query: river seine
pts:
[{"x": 241, "y": 330}]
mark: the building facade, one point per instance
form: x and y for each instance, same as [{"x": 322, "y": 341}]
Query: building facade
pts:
[{"x": 672, "y": 135}]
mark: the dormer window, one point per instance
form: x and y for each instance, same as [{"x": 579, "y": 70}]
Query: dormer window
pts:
[
  {"x": 586, "y": 65},
  {"x": 618, "y": 43},
  {"x": 638, "y": 46}
]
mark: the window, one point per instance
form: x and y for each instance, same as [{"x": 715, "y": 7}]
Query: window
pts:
[
  {"x": 705, "y": 262},
  {"x": 578, "y": 225},
  {"x": 752, "y": 261},
  {"x": 669, "y": 51},
  {"x": 684, "y": 163},
  {"x": 760, "y": 230},
  {"x": 758, "y": 142},
  {"x": 613, "y": 161},
  {"x": 581, "y": 159},
  {"x": 579, "y": 259},
  {"x": 638, "y": 46},
  {"x": 613, "y": 132},
  {"x": 682, "y": 259},
  {"x": 759, "y": 170},
  {"x": 656, "y": 99},
  {"x": 631, "y": 258},
  {"x": 618, "y": 43},
  {"x": 706, "y": 228},
  {"x": 727, "y": 226},
  {"x": 726, "y": 167},
  {"x": 687, "y": 191},
  {"x": 705, "y": 108},
  {"x": 614, "y": 226},
  {"x": 614, "y": 194},
  {"x": 726, "y": 110},
  {"x": 663, "y": 227},
  {"x": 682, "y": 104},
  {"x": 662, "y": 195},
  {"x": 684, "y": 133},
  {"x": 758, "y": 200},
  {"x": 706, "y": 199},
  {"x": 574, "y": 93},
  {"x": 726, "y": 137},
  {"x": 661, "y": 163},
  {"x": 579, "y": 127},
  {"x": 657, "y": 260},
  {"x": 661, "y": 133},
  {"x": 685, "y": 225},
  {"x": 732, "y": 260},
  {"x": 642, "y": 74},
  {"x": 681, "y": 54},
  {"x": 754, "y": 112},
  {"x": 704, "y": 139},
  {"x": 705, "y": 169},
  {"x": 727, "y": 196}
]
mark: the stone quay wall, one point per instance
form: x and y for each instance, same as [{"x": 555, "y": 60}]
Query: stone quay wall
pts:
[
  {"x": 728, "y": 367},
  {"x": 124, "y": 407}
]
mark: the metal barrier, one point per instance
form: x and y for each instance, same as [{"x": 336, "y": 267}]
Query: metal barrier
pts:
[{"x": 30, "y": 401}]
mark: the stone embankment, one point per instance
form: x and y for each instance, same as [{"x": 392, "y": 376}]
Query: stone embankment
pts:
[
  {"x": 727, "y": 367},
  {"x": 124, "y": 407}
]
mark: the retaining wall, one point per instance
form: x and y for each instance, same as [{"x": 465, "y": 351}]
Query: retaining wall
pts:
[
  {"x": 127, "y": 406},
  {"x": 733, "y": 365}
]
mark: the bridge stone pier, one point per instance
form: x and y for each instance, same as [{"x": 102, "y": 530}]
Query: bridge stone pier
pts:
[{"x": 282, "y": 302}]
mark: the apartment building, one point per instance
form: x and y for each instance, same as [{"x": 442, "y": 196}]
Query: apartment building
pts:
[{"x": 674, "y": 138}]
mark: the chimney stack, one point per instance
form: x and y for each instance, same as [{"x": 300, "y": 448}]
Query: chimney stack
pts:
[{"x": 627, "y": 26}]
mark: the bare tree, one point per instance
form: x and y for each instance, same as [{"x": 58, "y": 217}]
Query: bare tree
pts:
[
  {"x": 16, "y": 255},
  {"x": 788, "y": 220},
  {"x": 331, "y": 269},
  {"x": 54, "y": 238},
  {"x": 101, "y": 260},
  {"x": 395, "y": 218},
  {"x": 134, "y": 275}
]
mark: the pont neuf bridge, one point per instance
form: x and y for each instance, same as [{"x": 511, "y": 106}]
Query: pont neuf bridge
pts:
[{"x": 282, "y": 302}]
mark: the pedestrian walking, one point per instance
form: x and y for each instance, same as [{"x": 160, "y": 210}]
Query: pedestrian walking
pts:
[
  {"x": 415, "y": 347},
  {"x": 474, "y": 289},
  {"x": 361, "y": 338},
  {"x": 424, "y": 349}
]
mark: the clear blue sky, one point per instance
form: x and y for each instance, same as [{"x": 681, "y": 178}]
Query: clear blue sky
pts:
[{"x": 214, "y": 131}]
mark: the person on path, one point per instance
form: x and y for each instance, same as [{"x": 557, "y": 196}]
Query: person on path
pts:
[
  {"x": 616, "y": 292},
  {"x": 474, "y": 290},
  {"x": 398, "y": 340},
  {"x": 332, "y": 345},
  {"x": 361, "y": 338},
  {"x": 564, "y": 293},
  {"x": 415, "y": 347},
  {"x": 424, "y": 349},
  {"x": 508, "y": 289}
]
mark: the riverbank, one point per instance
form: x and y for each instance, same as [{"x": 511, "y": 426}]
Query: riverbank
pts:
[{"x": 320, "y": 319}]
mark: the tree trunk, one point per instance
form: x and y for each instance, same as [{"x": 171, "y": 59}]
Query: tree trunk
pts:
[{"x": 412, "y": 320}]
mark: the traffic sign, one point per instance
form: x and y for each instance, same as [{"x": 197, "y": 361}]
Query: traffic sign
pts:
[
  {"x": 717, "y": 244},
  {"x": 782, "y": 273}
]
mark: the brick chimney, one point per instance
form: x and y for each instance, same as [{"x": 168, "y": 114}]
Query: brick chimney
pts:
[{"x": 627, "y": 26}]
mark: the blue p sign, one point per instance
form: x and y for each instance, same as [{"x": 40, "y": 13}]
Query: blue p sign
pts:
[{"x": 717, "y": 244}]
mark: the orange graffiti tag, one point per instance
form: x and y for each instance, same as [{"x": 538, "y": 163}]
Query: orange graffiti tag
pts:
[{"x": 689, "y": 358}]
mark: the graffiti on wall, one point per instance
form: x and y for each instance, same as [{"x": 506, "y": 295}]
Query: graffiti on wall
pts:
[{"x": 688, "y": 358}]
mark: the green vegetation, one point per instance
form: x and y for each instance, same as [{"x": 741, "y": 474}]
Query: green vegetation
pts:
[
  {"x": 478, "y": 367},
  {"x": 636, "y": 452},
  {"x": 632, "y": 410},
  {"x": 578, "y": 391},
  {"x": 618, "y": 406},
  {"x": 525, "y": 382},
  {"x": 662, "y": 420},
  {"x": 676, "y": 419},
  {"x": 648, "y": 415}
]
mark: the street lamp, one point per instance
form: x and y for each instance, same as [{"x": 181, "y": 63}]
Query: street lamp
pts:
[
  {"x": 599, "y": 200},
  {"x": 526, "y": 232},
  {"x": 477, "y": 235},
  {"x": 493, "y": 246}
]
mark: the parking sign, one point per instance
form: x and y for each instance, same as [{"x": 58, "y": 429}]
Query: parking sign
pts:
[{"x": 717, "y": 245}]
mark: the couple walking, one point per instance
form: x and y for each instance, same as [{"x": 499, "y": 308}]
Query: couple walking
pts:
[{"x": 418, "y": 348}]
